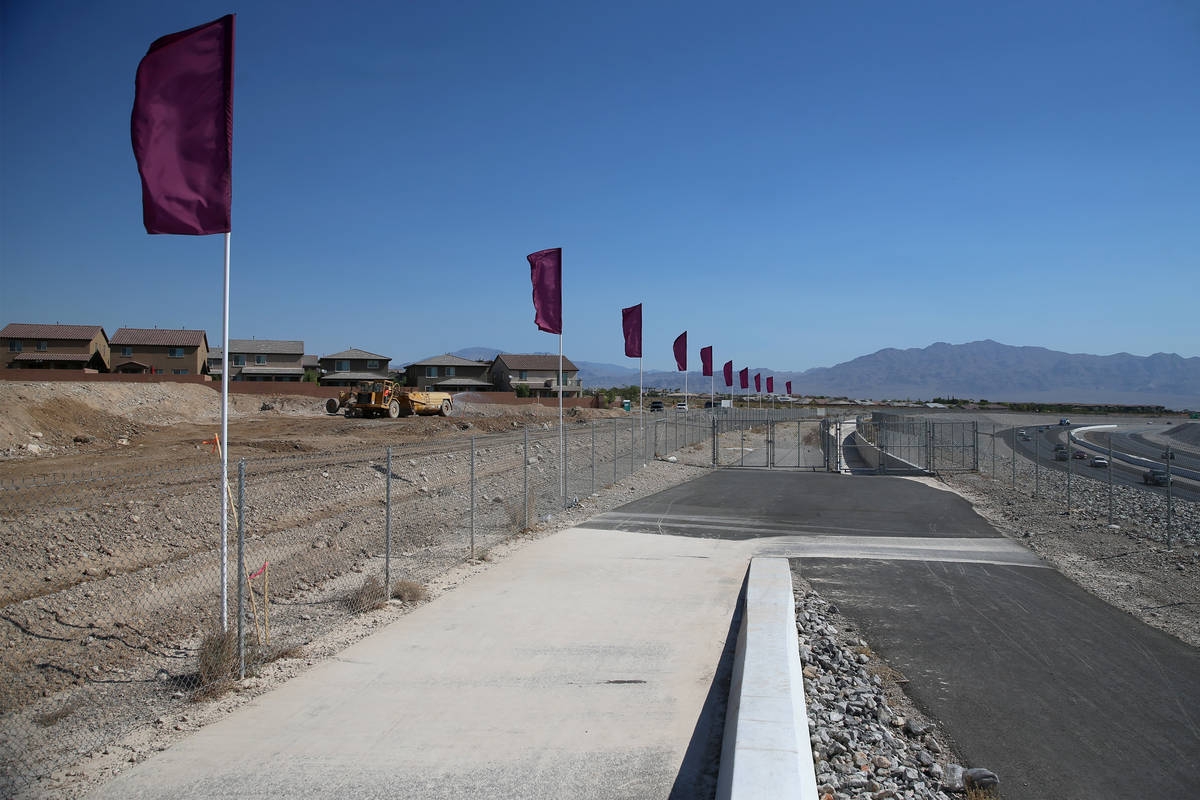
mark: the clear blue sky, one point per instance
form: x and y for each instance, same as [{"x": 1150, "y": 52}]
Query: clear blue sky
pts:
[{"x": 796, "y": 184}]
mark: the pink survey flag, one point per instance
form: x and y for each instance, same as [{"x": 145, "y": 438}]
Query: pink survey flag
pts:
[
  {"x": 631, "y": 324},
  {"x": 770, "y": 384},
  {"x": 744, "y": 378},
  {"x": 758, "y": 382},
  {"x": 706, "y": 361},
  {"x": 680, "y": 348},
  {"x": 789, "y": 387},
  {"x": 182, "y": 130},
  {"x": 545, "y": 270},
  {"x": 728, "y": 373}
]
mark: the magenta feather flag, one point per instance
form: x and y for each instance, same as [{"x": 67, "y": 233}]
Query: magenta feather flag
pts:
[
  {"x": 728, "y": 370},
  {"x": 680, "y": 348},
  {"x": 744, "y": 378},
  {"x": 789, "y": 387},
  {"x": 182, "y": 130},
  {"x": 631, "y": 324},
  {"x": 770, "y": 385},
  {"x": 545, "y": 270},
  {"x": 706, "y": 361},
  {"x": 758, "y": 382}
]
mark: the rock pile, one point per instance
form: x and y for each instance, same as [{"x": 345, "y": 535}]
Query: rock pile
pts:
[{"x": 863, "y": 746}]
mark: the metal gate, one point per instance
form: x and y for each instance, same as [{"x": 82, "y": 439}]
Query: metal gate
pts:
[{"x": 769, "y": 440}]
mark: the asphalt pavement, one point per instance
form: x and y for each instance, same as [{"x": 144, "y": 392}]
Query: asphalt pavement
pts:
[{"x": 1060, "y": 694}]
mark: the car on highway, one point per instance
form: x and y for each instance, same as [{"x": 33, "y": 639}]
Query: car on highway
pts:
[
  {"x": 1157, "y": 477},
  {"x": 1064, "y": 421},
  {"x": 1025, "y": 437},
  {"x": 1021, "y": 432},
  {"x": 1099, "y": 461},
  {"x": 1079, "y": 455},
  {"x": 656, "y": 405},
  {"x": 1060, "y": 455},
  {"x": 681, "y": 407}
]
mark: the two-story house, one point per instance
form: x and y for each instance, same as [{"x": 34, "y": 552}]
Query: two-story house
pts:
[
  {"x": 159, "y": 351},
  {"x": 261, "y": 360},
  {"x": 538, "y": 373},
  {"x": 447, "y": 373},
  {"x": 351, "y": 366},
  {"x": 80, "y": 347}
]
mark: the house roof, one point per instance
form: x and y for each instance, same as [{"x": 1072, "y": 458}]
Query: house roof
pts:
[
  {"x": 129, "y": 363},
  {"x": 253, "y": 370},
  {"x": 21, "y": 330},
  {"x": 291, "y": 347},
  {"x": 82, "y": 357},
  {"x": 354, "y": 352},
  {"x": 535, "y": 362},
  {"x": 463, "y": 382},
  {"x": 352, "y": 376},
  {"x": 308, "y": 361},
  {"x": 168, "y": 337},
  {"x": 447, "y": 360}
]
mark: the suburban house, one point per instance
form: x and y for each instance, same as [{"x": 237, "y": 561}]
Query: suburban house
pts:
[
  {"x": 447, "y": 373},
  {"x": 538, "y": 373},
  {"x": 261, "y": 360},
  {"x": 159, "y": 351},
  {"x": 81, "y": 347},
  {"x": 351, "y": 366}
]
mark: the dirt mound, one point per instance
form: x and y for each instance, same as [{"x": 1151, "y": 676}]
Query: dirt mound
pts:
[{"x": 1188, "y": 433}]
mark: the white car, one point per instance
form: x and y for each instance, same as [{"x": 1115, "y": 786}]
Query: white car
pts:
[
  {"x": 1099, "y": 461},
  {"x": 681, "y": 407}
]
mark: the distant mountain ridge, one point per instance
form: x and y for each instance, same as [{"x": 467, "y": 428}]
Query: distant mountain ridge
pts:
[{"x": 979, "y": 370}]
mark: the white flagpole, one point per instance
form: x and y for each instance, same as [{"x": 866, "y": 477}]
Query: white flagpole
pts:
[
  {"x": 225, "y": 449},
  {"x": 562, "y": 439},
  {"x": 685, "y": 397},
  {"x": 642, "y": 424}
]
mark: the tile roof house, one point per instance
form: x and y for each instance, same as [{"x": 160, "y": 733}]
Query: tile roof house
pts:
[
  {"x": 449, "y": 373},
  {"x": 159, "y": 351},
  {"x": 539, "y": 373},
  {"x": 81, "y": 347},
  {"x": 351, "y": 366},
  {"x": 261, "y": 360}
]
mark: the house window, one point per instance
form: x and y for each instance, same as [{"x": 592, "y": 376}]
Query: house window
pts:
[
  {"x": 373, "y": 364},
  {"x": 431, "y": 372},
  {"x": 14, "y": 346},
  {"x": 179, "y": 372},
  {"x": 260, "y": 359},
  {"x": 341, "y": 366},
  {"x": 158, "y": 372},
  {"x": 524, "y": 374},
  {"x": 126, "y": 351},
  {"x": 239, "y": 361},
  {"x": 42, "y": 346},
  {"x": 175, "y": 352}
]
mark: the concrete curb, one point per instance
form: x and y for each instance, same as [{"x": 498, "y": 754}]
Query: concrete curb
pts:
[{"x": 766, "y": 751}]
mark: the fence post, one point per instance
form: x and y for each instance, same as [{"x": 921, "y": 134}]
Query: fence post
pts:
[
  {"x": 241, "y": 526},
  {"x": 632, "y": 446},
  {"x": 526, "y": 471},
  {"x": 1110, "y": 499},
  {"x": 593, "y": 456},
  {"x": 387, "y": 531},
  {"x": 993, "y": 451},
  {"x": 797, "y": 444},
  {"x": 1170, "y": 499},
  {"x": 975, "y": 429},
  {"x": 1070, "y": 468},
  {"x": 1037, "y": 465},
  {"x": 1013, "y": 454},
  {"x": 472, "y": 498},
  {"x": 614, "y": 452}
]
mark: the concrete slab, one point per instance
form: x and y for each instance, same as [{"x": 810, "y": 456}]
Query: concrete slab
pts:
[{"x": 577, "y": 667}]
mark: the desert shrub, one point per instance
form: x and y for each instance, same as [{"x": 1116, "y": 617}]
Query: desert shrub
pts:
[
  {"x": 409, "y": 591},
  {"x": 369, "y": 596}
]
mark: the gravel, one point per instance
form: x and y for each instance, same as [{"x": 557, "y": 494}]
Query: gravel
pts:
[{"x": 869, "y": 740}]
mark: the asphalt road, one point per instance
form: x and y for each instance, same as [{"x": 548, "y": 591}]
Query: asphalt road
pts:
[
  {"x": 1132, "y": 439},
  {"x": 1062, "y": 695},
  {"x": 1041, "y": 446}
]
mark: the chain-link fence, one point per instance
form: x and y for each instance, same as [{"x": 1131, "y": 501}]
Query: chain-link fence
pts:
[
  {"x": 921, "y": 444},
  {"x": 110, "y": 589}
]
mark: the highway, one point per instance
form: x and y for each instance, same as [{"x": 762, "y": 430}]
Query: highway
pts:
[
  {"x": 1134, "y": 439},
  {"x": 1042, "y": 444}
]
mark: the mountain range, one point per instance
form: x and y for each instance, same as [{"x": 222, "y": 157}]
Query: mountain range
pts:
[{"x": 978, "y": 370}]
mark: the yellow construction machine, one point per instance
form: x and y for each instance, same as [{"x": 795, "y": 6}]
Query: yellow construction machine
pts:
[{"x": 389, "y": 399}]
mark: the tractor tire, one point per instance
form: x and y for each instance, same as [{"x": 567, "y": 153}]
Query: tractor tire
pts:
[
  {"x": 446, "y": 408},
  {"x": 394, "y": 409},
  {"x": 331, "y": 406}
]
